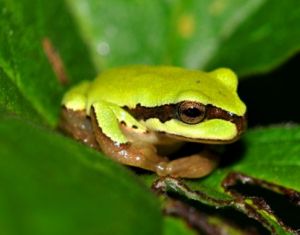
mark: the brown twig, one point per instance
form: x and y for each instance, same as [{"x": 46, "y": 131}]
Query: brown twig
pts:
[{"x": 55, "y": 61}]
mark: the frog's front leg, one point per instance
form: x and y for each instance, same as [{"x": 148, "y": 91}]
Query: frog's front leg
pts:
[{"x": 106, "y": 120}]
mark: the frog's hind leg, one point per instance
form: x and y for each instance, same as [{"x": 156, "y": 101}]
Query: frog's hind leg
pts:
[
  {"x": 74, "y": 120},
  {"x": 78, "y": 125},
  {"x": 193, "y": 166}
]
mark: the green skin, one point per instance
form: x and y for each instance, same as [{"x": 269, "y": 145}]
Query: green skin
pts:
[{"x": 153, "y": 87}]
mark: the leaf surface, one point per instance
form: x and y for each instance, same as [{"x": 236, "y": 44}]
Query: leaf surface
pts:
[{"x": 53, "y": 185}]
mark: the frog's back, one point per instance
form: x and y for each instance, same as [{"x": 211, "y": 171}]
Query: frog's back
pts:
[
  {"x": 146, "y": 85},
  {"x": 152, "y": 86}
]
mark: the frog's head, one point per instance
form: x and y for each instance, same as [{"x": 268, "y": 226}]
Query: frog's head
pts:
[{"x": 206, "y": 109}]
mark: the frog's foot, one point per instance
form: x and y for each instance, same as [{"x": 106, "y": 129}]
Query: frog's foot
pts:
[{"x": 194, "y": 166}]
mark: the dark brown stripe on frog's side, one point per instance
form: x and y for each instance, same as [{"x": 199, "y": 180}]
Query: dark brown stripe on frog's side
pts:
[
  {"x": 169, "y": 111},
  {"x": 214, "y": 112},
  {"x": 163, "y": 113}
]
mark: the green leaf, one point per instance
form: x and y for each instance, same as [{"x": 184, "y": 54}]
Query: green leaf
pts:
[
  {"x": 272, "y": 154},
  {"x": 193, "y": 34},
  {"x": 122, "y": 32},
  {"x": 270, "y": 159},
  {"x": 11, "y": 100},
  {"x": 25, "y": 69},
  {"x": 176, "y": 226},
  {"x": 53, "y": 185},
  {"x": 263, "y": 41}
]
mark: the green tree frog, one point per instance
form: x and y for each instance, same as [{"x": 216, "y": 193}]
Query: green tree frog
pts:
[{"x": 139, "y": 115}]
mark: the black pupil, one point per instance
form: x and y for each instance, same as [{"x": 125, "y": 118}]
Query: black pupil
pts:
[{"x": 192, "y": 112}]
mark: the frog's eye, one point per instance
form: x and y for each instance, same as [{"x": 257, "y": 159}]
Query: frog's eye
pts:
[{"x": 191, "y": 112}]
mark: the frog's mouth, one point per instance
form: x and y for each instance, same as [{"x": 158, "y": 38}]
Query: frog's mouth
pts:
[{"x": 213, "y": 131}]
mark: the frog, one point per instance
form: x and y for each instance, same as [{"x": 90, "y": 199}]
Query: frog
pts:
[{"x": 140, "y": 115}]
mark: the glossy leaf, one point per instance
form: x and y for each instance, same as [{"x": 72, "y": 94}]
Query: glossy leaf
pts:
[
  {"x": 264, "y": 40},
  {"x": 25, "y": 69},
  {"x": 53, "y": 185},
  {"x": 272, "y": 154},
  {"x": 194, "y": 34},
  {"x": 270, "y": 157}
]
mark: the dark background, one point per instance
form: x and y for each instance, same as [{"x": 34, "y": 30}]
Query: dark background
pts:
[{"x": 273, "y": 97}]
